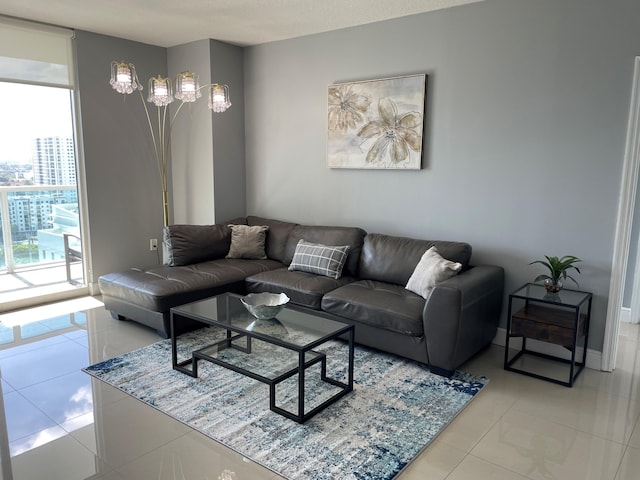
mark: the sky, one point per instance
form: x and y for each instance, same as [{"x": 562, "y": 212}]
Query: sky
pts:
[{"x": 28, "y": 112}]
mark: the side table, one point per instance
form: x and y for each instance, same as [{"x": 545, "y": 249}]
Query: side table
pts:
[{"x": 559, "y": 318}]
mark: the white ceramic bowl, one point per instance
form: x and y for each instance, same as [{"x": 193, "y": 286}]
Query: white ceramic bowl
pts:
[{"x": 264, "y": 305}]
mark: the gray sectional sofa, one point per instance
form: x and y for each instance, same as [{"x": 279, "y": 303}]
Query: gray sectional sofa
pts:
[{"x": 457, "y": 319}]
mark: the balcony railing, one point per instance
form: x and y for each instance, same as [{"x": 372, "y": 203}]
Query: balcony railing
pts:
[{"x": 33, "y": 221}]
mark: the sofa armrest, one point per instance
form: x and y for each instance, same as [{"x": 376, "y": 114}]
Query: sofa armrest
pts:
[{"x": 461, "y": 316}]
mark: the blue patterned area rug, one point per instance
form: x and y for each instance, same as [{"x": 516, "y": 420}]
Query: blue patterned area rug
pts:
[{"x": 396, "y": 409}]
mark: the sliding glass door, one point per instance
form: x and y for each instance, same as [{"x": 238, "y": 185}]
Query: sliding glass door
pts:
[{"x": 40, "y": 208}]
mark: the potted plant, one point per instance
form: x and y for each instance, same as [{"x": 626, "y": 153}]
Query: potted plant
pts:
[{"x": 558, "y": 268}]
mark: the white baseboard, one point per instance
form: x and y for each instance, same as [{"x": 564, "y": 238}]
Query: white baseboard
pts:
[
  {"x": 594, "y": 357},
  {"x": 94, "y": 289},
  {"x": 625, "y": 316}
]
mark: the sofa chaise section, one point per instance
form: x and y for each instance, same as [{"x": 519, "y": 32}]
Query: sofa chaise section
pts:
[
  {"x": 197, "y": 269},
  {"x": 147, "y": 294}
]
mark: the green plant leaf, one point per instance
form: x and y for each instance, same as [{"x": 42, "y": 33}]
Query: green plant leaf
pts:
[
  {"x": 558, "y": 267},
  {"x": 541, "y": 263}
]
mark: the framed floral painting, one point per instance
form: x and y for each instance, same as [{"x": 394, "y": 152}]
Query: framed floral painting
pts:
[{"x": 377, "y": 124}]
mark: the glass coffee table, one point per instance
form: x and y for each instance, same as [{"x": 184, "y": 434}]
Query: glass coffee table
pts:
[{"x": 274, "y": 352}]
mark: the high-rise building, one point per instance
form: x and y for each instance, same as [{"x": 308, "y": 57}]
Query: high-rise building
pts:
[
  {"x": 53, "y": 161},
  {"x": 32, "y": 210}
]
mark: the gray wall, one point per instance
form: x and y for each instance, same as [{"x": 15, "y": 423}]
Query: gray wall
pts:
[
  {"x": 191, "y": 145},
  {"x": 123, "y": 186},
  {"x": 208, "y": 147},
  {"x": 527, "y": 112},
  {"x": 227, "y": 67}
]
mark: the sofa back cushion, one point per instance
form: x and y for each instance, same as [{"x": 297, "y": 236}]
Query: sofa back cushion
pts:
[
  {"x": 392, "y": 259},
  {"x": 333, "y": 236},
  {"x": 187, "y": 244},
  {"x": 276, "y": 236}
]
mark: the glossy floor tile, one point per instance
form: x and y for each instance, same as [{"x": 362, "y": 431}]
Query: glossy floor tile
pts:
[
  {"x": 539, "y": 448},
  {"x": 193, "y": 456},
  {"x": 58, "y": 423}
]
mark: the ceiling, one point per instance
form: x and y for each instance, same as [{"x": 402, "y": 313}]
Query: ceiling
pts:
[{"x": 241, "y": 22}]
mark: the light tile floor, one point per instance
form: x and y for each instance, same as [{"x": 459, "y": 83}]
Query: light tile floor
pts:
[{"x": 58, "y": 423}]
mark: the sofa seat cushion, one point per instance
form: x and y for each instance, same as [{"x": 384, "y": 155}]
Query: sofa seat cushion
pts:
[
  {"x": 378, "y": 304},
  {"x": 302, "y": 288},
  {"x": 160, "y": 288}
]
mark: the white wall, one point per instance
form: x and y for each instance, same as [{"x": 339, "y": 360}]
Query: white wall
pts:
[{"x": 526, "y": 120}]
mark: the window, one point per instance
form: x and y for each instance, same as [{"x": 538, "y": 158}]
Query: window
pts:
[{"x": 38, "y": 190}]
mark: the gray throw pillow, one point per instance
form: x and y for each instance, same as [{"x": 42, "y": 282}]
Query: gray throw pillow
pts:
[
  {"x": 320, "y": 259},
  {"x": 248, "y": 242}
]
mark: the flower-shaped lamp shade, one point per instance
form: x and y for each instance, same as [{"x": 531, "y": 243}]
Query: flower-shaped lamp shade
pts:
[
  {"x": 124, "y": 78},
  {"x": 187, "y": 87},
  {"x": 160, "y": 91},
  {"x": 219, "y": 100}
]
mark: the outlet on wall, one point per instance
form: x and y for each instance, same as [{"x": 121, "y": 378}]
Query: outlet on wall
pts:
[{"x": 153, "y": 244}]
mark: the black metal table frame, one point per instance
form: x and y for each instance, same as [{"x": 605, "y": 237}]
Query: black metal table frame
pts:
[
  {"x": 235, "y": 333},
  {"x": 508, "y": 364}
]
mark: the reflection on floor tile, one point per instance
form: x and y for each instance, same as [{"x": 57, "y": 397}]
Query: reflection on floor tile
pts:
[
  {"x": 63, "y": 424},
  {"x": 591, "y": 411},
  {"x": 30, "y": 346},
  {"x": 191, "y": 456},
  {"x": 23, "y": 418},
  {"x": 6, "y": 388},
  {"x": 61, "y": 459},
  {"x": 43, "y": 364},
  {"x": 36, "y": 440},
  {"x": 538, "y": 448},
  {"x": 64, "y": 397},
  {"x": 472, "y": 468},
  {"x": 127, "y": 429}
]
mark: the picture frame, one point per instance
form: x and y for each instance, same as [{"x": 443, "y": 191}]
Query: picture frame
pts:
[{"x": 377, "y": 124}]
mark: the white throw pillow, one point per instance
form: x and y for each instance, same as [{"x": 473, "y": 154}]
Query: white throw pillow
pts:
[{"x": 431, "y": 269}]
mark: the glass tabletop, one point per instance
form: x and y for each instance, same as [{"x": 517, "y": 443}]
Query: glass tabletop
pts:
[
  {"x": 567, "y": 297},
  {"x": 290, "y": 327}
]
